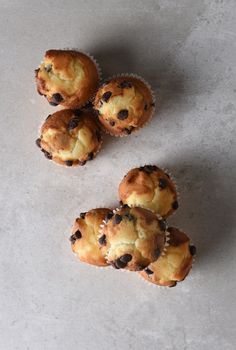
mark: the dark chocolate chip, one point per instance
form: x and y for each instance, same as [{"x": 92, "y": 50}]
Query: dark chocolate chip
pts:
[
  {"x": 53, "y": 103},
  {"x": 175, "y": 205},
  {"x": 192, "y": 250},
  {"x": 124, "y": 206},
  {"x": 73, "y": 239},
  {"x": 125, "y": 84},
  {"x": 106, "y": 96},
  {"x": 108, "y": 217},
  {"x": 130, "y": 217},
  {"x": 126, "y": 258},
  {"x": 162, "y": 183},
  {"x": 77, "y": 112},
  {"x": 38, "y": 143},
  {"x": 145, "y": 107},
  {"x": 162, "y": 224},
  {"x": 148, "y": 168},
  {"x": 90, "y": 156},
  {"x": 69, "y": 162},
  {"x": 48, "y": 116},
  {"x": 156, "y": 253},
  {"x": 113, "y": 264},
  {"x": 117, "y": 219},
  {"x": 102, "y": 240},
  {"x": 73, "y": 123},
  {"x": 123, "y": 114},
  {"x": 78, "y": 234},
  {"x": 140, "y": 267},
  {"x": 99, "y": 136},
  {"x": 82, "y": 162},
  {"x": 82, "y": 215},
  {"x": 48, "y": 68},
  {"x": 112, "y": 123},
  {"x": 57, "y": 98},
  {"x": 148, "y": 271},
  {"x": 47, "y": 154},
  {"x": 120, "y": 264},
  {"x": 128, "y": 131},
  {"x": 153, "y": 104}
]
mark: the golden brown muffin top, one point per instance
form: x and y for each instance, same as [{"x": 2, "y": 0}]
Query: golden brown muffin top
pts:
[
  {"x": 132, "y": 238},
  {"x": 84, "y": 239},
  {"x": 175, "y": 264},
  {"x": 124, "y": 104},
  {"x": 67, "y": 77},
  {"x": 70, "y": 137},
  {"x": 151, "y": 188}
]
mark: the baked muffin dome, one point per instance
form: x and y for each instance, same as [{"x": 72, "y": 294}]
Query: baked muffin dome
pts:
[
  {"x": 67, "y": 77},
  {"x": 124, "y": 104},
  {"x": 175, "y": 264},
  {"x": 131, "y": 238},
  {"x": 70, "y": 137},
  {"x": 151, "y": 188},
  {"x": 84, "y": 238}
]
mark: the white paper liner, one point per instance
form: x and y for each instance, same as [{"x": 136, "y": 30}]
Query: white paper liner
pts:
[
  {"x": 132, "y": 75},
  {"x": 76, "y": 165}
]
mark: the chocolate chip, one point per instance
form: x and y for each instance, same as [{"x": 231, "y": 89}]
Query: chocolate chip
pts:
[
  {"x": 145, "y": 107},
  {"x": 99, "y": 136},
  {"x": 106, "y": 96},
  {"x": 90, "y": 156},
  {"x": 38, "y": 143},
  {"x": 152, "y": 104},
  {"x": 156, "y": 253},
  {"x": 162, "y": 224},
  {"x": 192, "y": 250},
  {"x": 120, "y": 264},
  {"x": 77, "y": 112},
  {"x": 126, "y": 258},
  {"x": 130, "y": 217},
  {"x": 82, "y": 162},
  {"x": 48, "y": 116},
  {"x": 124, "y": 206},
  {"x": 140, "y": 267},
  {"x": 175, "y": 205},
  {"x": 102, "y": 240},
  {"x": 162, "y": 183},
  {"x": 117, "y": 219},
  {"x": 127, "y": 131},
  {"x": 108, "y": 217},
  {"x": 57, "y": 98},
  {"x": 125, "y": 84},
  {"x": 69, "y": 162},
  {"x": 148, "y": 271},
  {"x": 123, "y": 114},
  {"x": 148, "y": 168},
  {"x": 113, "y": 264},
  {"x": 73, "y": 239},
  {"x": 112, "y": 123},
  {"x": 47, "y": 154},
  {"x": 53, "y": 103},
  {"x": 48, "y": 68},
  {"x": 78, "y": 234},
  {"x": 82, "y": 215}
]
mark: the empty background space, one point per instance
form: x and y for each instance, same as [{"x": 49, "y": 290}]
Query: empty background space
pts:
[{"x": 48, "y": 300}]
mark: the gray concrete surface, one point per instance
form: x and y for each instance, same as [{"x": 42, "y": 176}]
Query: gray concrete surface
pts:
[{"x": 186, "y": 50}]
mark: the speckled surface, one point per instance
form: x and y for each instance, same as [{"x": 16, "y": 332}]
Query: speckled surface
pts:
[{"x": 48, "y": 300}]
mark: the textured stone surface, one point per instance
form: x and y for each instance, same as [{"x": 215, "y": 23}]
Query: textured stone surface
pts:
[{"x": 48, "y": 300}]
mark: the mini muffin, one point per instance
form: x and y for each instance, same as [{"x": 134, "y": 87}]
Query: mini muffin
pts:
[
  {"x": 124, "y": 104},
  {"x": 84, "y": 239},
  {"x": 131, "y": 238},
  {"x": 175, "y": 264},
  {"x": 151, "y": 188},
  {"x": 70, "y": 137},
  {"x": 67, "y": 77}
]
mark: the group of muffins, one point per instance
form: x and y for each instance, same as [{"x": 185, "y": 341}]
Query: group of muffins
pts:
[
  {"x": 136, "y": 236},
  {"x": 72, "y": 79}
]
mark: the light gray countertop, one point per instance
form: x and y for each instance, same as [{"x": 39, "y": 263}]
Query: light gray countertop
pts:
[{"x": 48, "y": 300}]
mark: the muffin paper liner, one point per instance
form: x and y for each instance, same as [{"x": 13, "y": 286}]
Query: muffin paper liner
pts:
[{"x": 132, "y": 75}]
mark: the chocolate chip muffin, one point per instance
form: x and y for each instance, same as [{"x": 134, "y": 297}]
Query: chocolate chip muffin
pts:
[
  {"x": 84, "y": 239},
  {"x": 175, "y": 264},
  {"x": 124, "y": 104},
  {"x": 67, "y": 77},
  {"x": 70, "y": 137},
  {"x": 151, "y": 188},
  {"x": 132, "y": 238}
]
